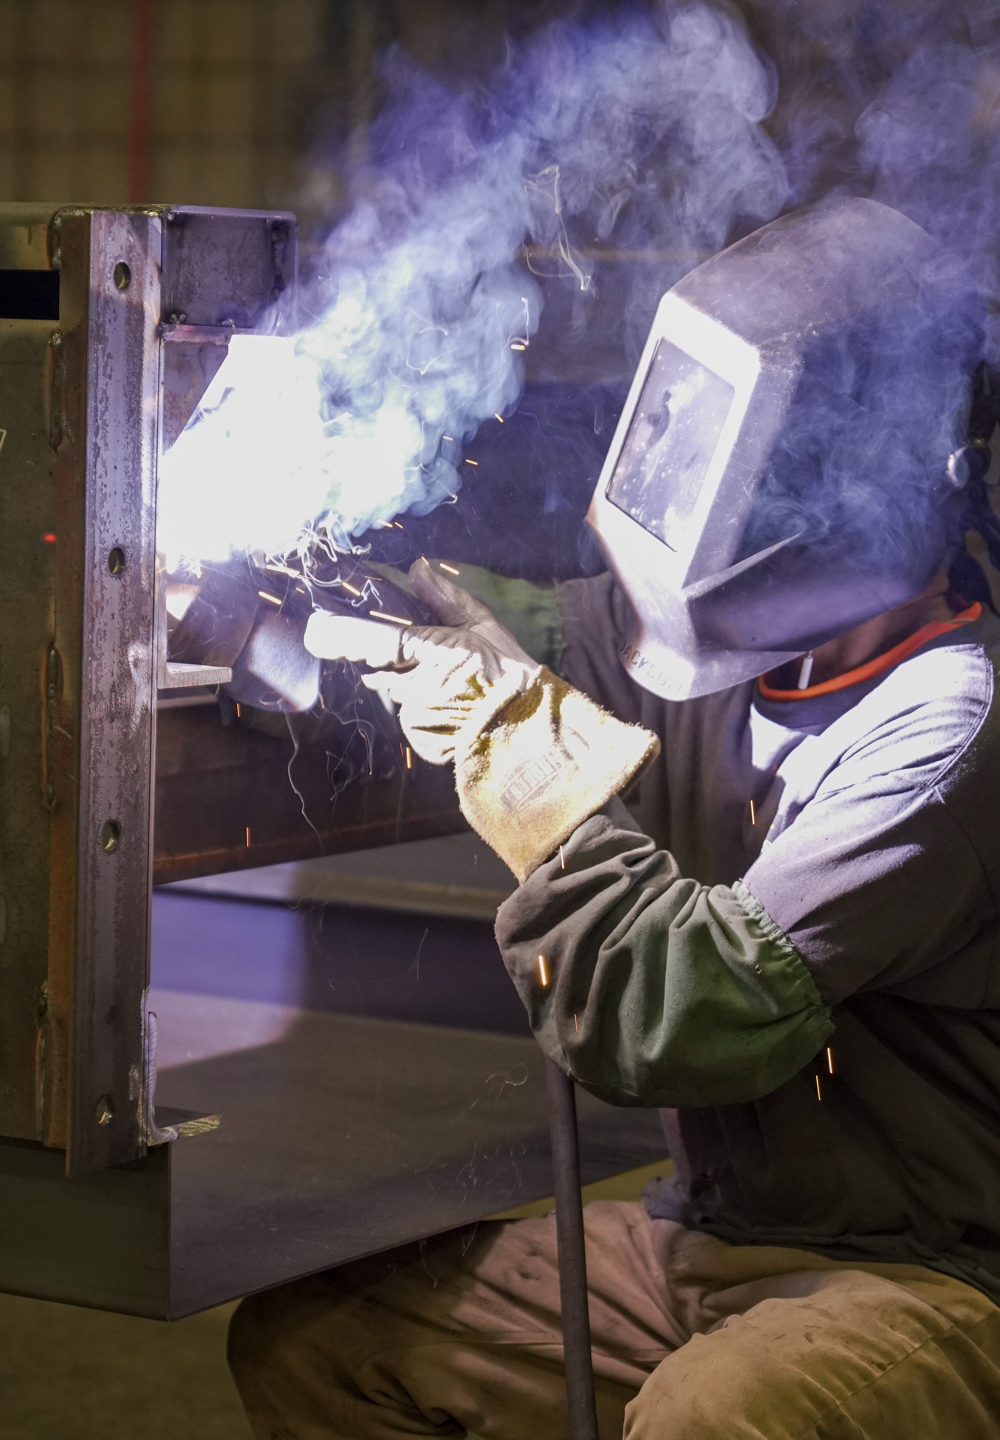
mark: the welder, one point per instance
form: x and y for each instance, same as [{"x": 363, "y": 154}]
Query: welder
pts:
[{"x": 748, "y": 780}]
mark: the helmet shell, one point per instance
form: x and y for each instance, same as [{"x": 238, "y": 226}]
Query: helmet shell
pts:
[{"x": 740, "y": 523}]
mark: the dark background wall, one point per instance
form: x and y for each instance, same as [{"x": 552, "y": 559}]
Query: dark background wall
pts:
[{"x": 212, "y": 101}]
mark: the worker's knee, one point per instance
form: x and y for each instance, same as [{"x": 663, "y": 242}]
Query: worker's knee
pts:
[
  {"x": 859, "y": 1357},
  {"x": 260, "y": 1333},
  {"x": 250, "y": 1332},
  {"x": 280, "y": 1338}
]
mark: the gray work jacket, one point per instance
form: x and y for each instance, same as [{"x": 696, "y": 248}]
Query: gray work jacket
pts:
[{"x": 812, "y": 987}]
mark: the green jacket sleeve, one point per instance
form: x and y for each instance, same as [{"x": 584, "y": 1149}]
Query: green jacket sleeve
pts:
[{"x": 656, "y": 990}]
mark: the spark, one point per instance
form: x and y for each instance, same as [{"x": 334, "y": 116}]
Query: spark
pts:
[
  {"x": 248, "y": 837},
  {"x": 264, "y": 595},
  {"x": 829, "y": 1059},
  {"x": 396, "y": 619},
  {"x": 517, "y": 345},
  {"x": 542, "y": 972},
  {"x": 353, "y": 588},
  {"x": 576, "y": 1025},
  {"x": 239, "y": 712},
  {"x": 753, "y": 814},
  {"x": 397, "y": 525},
  {"x": 409, "y": 758},
  {"x": 282, "y": 569},
  {"x": 819, "y": 1093},
  {"x": 450, "y": 568},
  {"x": 448, "y": 437},
  {"x": 562, "y": 858},
  {"x": 472, "y": 462},
  {"x": 49, "y": 537},
  {"x": 497, "y": 416}
]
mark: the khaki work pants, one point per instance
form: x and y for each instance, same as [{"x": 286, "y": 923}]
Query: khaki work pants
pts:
[{"x": 694, "y": 1339}]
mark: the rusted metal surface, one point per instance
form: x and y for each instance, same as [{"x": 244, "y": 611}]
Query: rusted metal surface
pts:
[
  {"x": 117, "y": 691},
  {"x": 222, "y": 269},
  {"x": 28, "y": 687},
  {"x": 80, "y": 405},
  {"x": 60, "y": 736}
]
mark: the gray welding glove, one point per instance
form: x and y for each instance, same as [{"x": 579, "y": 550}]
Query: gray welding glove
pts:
[{"x": 533, "y": 757}]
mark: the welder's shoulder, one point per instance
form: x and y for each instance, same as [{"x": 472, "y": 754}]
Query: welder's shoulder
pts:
[{"x": 938, "y": 712}]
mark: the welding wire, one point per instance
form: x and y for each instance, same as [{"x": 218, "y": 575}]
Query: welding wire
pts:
[
  {"x": 819, "y": 1093},
  {"x": 409, "y": 758},
  {"x": 265, "y": 595},
  {"x": 572, "y": 1255},
  {"x": 396, "y": 619},
  {"x": 542, "y": 972},
  {"x": 805, "y": 671},
  {"x": 450, "y": 568},
  {"x": 829, "y": 1059}
]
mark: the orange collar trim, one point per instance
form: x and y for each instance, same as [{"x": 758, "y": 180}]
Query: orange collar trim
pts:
[{"x": 879, "y": 665}]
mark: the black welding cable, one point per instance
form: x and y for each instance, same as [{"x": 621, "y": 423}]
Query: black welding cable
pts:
[{"x": 577, "y": 1356}]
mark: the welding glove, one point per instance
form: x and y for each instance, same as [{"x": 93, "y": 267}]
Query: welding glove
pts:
[{"x": 533, "y": 757}]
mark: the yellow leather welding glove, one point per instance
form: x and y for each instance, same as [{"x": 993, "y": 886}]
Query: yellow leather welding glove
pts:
[{"x": 533, "y": 757}]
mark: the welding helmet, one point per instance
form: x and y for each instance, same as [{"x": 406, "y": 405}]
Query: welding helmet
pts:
[{"x": 780, "y": 472}]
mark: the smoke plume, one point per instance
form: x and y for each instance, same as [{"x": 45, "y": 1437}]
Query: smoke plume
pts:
[{"x": 639, "y": 131}]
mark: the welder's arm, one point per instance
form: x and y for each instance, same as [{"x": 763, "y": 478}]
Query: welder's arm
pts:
[
  {"x": 533, "y": 756},
  {"x": 655, "y": 989}
]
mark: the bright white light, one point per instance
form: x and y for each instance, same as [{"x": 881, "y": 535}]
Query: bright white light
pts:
[{"x": 420, "y": 313}]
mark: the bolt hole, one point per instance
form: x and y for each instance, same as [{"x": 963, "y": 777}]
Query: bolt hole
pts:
[
  {"x": 116, "y": 560},
  {"x": 104, "y": 1110},
  {"x": 123, "y": 276},
  {"x": 110, "y": 836}
]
